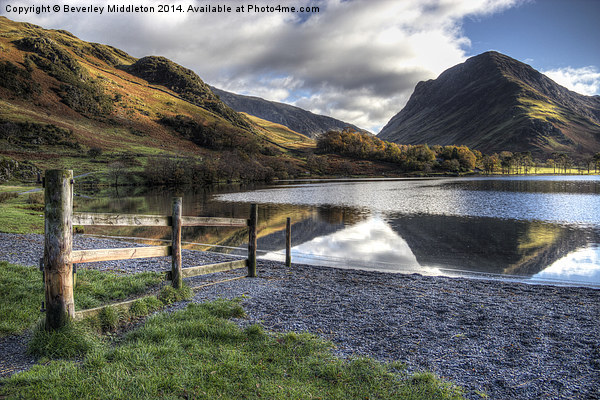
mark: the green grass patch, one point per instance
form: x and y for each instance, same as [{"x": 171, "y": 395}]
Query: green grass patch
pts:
[
  {"x": 95, "y": 288},
  {"x": 11, "y": 188},
  {"x": 21, "y": 295},
  {"x": 198, "y": 353},
  {"x": 21, "y": 213},
  {"x": 70, "y": 341},
  {"x": 22, "y": 292},
  {"x": 20, "y": 219},
  {"x": 543, "y": 110}
]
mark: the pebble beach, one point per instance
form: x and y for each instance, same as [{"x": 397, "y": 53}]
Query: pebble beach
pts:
[{"x": 503, "y": 340}]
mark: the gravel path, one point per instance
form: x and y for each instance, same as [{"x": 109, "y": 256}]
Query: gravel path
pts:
[{"x": 507, "y": 340}]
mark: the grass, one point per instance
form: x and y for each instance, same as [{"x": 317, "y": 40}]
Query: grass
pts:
[
  {"x": 9, "y": 188},
  {"x": 20, "y": 220},
  {"x": 22, "y": 292},
  {"x": 197, "y": 353},
  {"x": 21, "y": 213},
  {"x": 542, "y": 110},
  {"x": 282, "y": 135}
]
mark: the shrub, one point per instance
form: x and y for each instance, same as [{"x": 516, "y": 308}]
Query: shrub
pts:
[
  {"x": 94, "y": 152},
  {"x": 18, "y": 81},
  {"x": 5, "y": 196},
  {"x": 36, "y": 198},
  {"x": 169, "y": 294}
]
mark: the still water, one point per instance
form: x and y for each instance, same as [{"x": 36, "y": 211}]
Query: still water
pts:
[{"x": 538, "y": 229}]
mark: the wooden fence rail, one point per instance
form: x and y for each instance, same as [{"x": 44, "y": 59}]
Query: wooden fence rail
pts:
[{"x": 59, "y": 255}]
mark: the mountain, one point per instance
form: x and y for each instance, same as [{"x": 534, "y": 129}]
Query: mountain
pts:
[
  {"x": 295, "y": 118},
  {"x": 65, "y": 102},
  {"x": 492, "y": 103}
]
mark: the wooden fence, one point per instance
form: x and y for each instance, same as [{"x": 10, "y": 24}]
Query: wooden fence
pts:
[{"x": 59, "y": 255}]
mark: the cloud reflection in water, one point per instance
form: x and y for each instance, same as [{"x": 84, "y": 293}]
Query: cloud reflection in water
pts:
[
  {"x": 582, "y": 265},
  {"x": 371, "y": 244}
]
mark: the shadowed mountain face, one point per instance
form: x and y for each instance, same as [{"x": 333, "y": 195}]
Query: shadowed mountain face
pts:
[
  {"x": 295, "y": 118},
  {"x": 493, "y": 103}
]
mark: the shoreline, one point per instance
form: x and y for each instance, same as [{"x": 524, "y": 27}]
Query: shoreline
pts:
[{"x": 504, "y": 339}]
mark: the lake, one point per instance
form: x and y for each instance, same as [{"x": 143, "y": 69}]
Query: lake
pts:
[{"x": 539, "y": 229}]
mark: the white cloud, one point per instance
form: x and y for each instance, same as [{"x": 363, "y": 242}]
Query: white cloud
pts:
[
  {"x": 357, "y": 60},
  {"x": 585, "y": 80}
]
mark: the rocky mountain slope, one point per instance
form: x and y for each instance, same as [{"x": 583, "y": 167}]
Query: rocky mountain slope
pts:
[
  {"x": 295, "y": 118},
  {"x": 492, "y": 103}
]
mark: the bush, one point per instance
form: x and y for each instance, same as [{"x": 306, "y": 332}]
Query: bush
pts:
[
  {"x": 10, "y": 168},
  {"x": 214, "y": 135},
  {"x": 169, "y": 294},
  {"x": 79, "y": 91},
  {"x": 94, "y": 152},
  {"x": 18, "y": 81},
  {"x": 5, "y": 196},
  {"x": 36, "y": 198}
]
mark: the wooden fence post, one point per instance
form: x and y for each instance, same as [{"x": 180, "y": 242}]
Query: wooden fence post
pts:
[
  {"x": 288, "y": 242},
  {"x": 176, "y": 274},
  {"x": 58, "y": 243},
  {"x": 253, "y": 222}
]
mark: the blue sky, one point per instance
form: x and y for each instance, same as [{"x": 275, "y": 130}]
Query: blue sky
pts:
[
  {"x": 356, "y": 60},
  {"x": 547, "y": 33},
  {"x": 557, "y": 37}
]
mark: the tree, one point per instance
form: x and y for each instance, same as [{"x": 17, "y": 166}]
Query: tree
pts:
[
  {"x": 506, "y": 161},
  {"x": 317, "y": 164},
  {"x": 94, "y": 152},
  {"x": 490, "y": 163},
  {"x": 115, "y": 170},
  {"x": 596, "y": 162},
  {"x": 564, "y": 162}
]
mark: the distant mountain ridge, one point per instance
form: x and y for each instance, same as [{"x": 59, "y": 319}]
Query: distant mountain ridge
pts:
[
  {"x": 295, "y": 118},
  {"x": 492, "y": 102}
]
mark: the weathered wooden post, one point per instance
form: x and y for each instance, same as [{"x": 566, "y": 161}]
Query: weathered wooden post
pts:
[
  {"x": 176, "y": 274},
  {"x": 252, "y": 228},
  {"x": 288, "y": 242},
  {"x": 58, "y": 243}
]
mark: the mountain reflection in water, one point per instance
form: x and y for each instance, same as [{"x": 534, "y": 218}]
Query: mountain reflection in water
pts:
[
  {"x": 438, "y": 245},
  {"x": 535, "y": 228}
]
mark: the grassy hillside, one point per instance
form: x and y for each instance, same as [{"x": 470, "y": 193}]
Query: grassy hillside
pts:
[
  {"x": 281, "y": 135},
  {"x": 66, "y": 103}
]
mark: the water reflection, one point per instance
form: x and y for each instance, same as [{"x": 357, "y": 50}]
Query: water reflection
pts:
[
  {"x": 535, "y": 228},
  {"x": 370, "y": 243},
  {"x": 530, "y": 184},
  {"x": 439, "y": 197},
  {"x": 582, "y": 265},
  {"x": 439, "y": 245},
  {"x": 509, "y": 227}
]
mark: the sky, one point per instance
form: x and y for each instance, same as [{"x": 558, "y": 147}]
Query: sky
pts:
[{"x": 355, "y": 60}]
